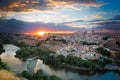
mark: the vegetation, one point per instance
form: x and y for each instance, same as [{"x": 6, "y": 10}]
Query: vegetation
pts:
[
  {"x": 60, "y": 40},
  {"x": 3, "y": 66},
  {"x": 61, "y": 60},
  {"x": 102, "y": 62},
  {"x": 1, "y": 49},
  {"x": 27, "y": 52},
  {"x": 22, "y": 44},
  {"x": 39, "y": 75},
  {"x": 118, "y": 58},
  {"x": 6, "y": 39},
  {"x": 7, "y": 75},
  {"x": 88, "y": 43},
  {"x": 117, "y": 43},
  {"x": 103, "y": 51},
  {"x": 105, "y": 38},
  {"x": 39, "y": 43},
  {"x": 1, "y": 41}
]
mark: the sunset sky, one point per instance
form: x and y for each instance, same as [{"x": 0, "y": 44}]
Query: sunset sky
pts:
[{"x": 67, "y": 14}]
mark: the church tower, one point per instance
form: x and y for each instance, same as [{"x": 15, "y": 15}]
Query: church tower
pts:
[{"x": 92, "y": 30}]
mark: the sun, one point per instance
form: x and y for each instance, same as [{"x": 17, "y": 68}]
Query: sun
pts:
[{"x": 41, "y": 33}]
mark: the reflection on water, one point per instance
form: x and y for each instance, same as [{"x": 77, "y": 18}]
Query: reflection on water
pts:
[
  {"x": 38, "y": 64},
  {"x": 15, "y": 64},
  {"x": 32, "y": 66},
  {"x": 8, "y": 57}
]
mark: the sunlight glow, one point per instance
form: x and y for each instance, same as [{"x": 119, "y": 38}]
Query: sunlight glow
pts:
[{"x": 41, "y": 33}]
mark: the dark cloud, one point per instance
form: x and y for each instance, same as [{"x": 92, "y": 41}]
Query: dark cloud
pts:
[
  {"x": 117, "y": 17},
  {"x": 17, "y": 26},
  {"x": 21, "y": 5},
  {"x": 101, "y": 24},
  {"x": 30, "y": 5},
  {"x": 109, "y": 24}
]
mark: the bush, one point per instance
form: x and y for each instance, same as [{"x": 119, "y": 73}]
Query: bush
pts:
[
  {"x": 26, "y": 52},
  {"x": 105, "y": 38},
  {"x": 117, "y": 43},
  {"x": 88, "y": 43},
  {"x": 103, "y": 51},
  {"x": 26, "y": 75},
  {"x": 39, "y": 75},
  {"x": 118, "y": 58},
  {"x": 53, "y": 77},
  {"x": 1, "y": 49},
  {"x": 3, "y": 66}
]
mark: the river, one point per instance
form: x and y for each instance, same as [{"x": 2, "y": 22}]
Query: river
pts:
[{"x": 17, "y": 66}]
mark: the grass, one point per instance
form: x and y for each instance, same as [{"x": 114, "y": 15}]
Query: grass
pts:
[{"x": 7, "y": 75}]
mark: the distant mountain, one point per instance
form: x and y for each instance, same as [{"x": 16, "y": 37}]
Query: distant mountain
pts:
[{"x": 13, "y": 25}]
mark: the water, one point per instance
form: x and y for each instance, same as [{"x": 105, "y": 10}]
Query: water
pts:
[{"x": 17, "y": 66}]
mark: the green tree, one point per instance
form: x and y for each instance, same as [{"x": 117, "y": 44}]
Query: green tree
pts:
[
  {"x": 117, "y": 43},
  {"x": 103, "y": 51},
  {"x": 3, "y": 66},
  {"x": 26, "y": 75},
  {"x": 1, "y": 49},
  {"x": 53, "y": 77},
  {"x": 105, "y": 38}
]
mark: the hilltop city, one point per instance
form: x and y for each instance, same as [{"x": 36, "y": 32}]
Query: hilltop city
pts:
[{"x": 83, "y": 44}]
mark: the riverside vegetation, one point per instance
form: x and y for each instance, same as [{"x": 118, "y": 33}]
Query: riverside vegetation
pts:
[
  {"x": 52, "y": 59},
  {"x": 39, "y": 75},
  {"x": 5, "y": 73},
  {"x": 60, "y": 60}
]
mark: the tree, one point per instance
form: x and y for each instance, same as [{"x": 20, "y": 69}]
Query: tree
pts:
[
  {"x": 118, "y": 58},
  {"x": 27, "y": 52},
  {"x": 60, "y": 59},
  {"x": 26, "y": 75},
  {"x": 39, "y": 75},
  {"x": 103, "y": 51},
  {"x": 53, "y": 77},
  {"x": 1, "y": 49},
  {"x": 105, "y": 38},
  {"x": 3, "y": 66},
  {"x": 88, "y": 43},
  {"x": 117, "y": 43}
]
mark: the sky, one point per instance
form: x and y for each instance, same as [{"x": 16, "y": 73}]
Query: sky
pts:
[{"x": 104, "y": 15}]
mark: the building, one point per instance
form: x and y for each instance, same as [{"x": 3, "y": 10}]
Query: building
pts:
[{"x": 92, "y": 30}]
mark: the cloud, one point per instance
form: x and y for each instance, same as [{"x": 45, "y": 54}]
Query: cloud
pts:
[
  {"x": 95, "y": 16},
  {"x": 108, "y": 24},
  {"x": 100, "y": 24},
  {"x": 71, "y": 2},
  {"x": 14, "y": 25},
  {"x": 117, "y": 17},
  {"x": 17, "y": 26},
  {"x": 31, "y": 5},
  {"x": 54, "y": 17}
]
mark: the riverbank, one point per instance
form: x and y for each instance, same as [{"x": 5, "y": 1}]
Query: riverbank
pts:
[
  {"x": 69, "y": 61},
  {"x": 87, "y": 70}
]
